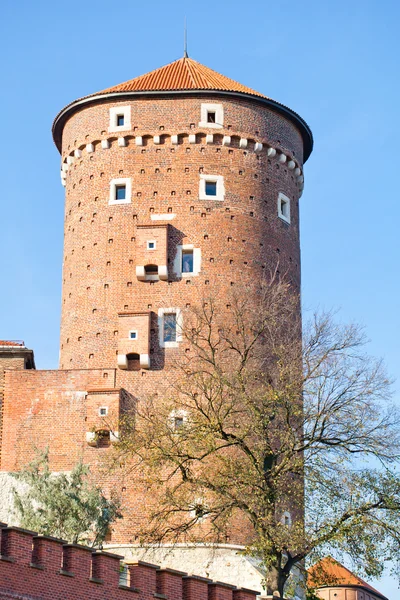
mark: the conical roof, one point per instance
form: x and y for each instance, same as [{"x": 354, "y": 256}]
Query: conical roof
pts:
[
  {"x": 328, "y": 572},
  {"x": 182, "y": 74}
]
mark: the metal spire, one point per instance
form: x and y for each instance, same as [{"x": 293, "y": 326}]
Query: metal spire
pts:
[{"x": 185, "y": 53}]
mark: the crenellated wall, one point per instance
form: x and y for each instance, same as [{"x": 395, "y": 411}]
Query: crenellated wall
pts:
[{"x": 45, "y": 568}]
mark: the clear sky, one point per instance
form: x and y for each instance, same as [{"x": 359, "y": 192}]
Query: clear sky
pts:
[{"x": 335, "y": 63}]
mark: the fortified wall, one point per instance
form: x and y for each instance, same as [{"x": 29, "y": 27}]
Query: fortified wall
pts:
[
  {"x": 45, "y": 568},
  {"x": 180, "y": 185}
]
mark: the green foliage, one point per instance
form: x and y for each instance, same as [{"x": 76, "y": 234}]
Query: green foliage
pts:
[
  {"x": 63, "y": 505},
  {"x": 269, "y": 412}
]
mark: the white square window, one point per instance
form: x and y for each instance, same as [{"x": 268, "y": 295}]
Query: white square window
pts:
[
  {"x": 151, "y": 244},
  {"x": 120, "y": 191},
  {"x": 103, "y": 411},
  {"x": 284, "y": 207},
  {"x": 120, "y": 119},
  {"x": 133, "y": 335},
  {"x": 211, "y": 187},
  {"x": 212, "y": 116},
  {"x": 187, "y": 262},
  {"x": 170, "y": 327}
]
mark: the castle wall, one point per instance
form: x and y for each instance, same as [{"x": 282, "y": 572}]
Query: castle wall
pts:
[
  {"x": 240, "y": 238},
  {"x": 46, "y": 568}
]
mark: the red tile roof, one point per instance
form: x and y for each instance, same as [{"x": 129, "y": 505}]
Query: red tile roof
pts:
[
  {"x": 12, "y": 343},
  {"x": 182, "y": 74},
  {"x": 328, "y": 572}
]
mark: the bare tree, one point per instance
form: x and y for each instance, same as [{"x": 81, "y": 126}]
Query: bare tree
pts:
[{"x": 260, "y": 420}]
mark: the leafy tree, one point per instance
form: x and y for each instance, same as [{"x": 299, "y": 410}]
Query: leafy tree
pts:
[
  {"x": 63, "y": 505},
  {"x": 259, "y": 419}
]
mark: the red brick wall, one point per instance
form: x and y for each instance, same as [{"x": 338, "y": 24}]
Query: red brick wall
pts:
[
  {"x": 240, "y": 237},
  {"x": 44, "y": 568}
]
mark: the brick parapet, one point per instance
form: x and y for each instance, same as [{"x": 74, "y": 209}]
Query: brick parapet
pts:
[{"x": 45, "y": 568}]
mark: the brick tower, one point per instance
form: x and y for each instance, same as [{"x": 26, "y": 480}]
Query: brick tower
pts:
[
  {"x": 179, "y": 183},
  {"x": 176, "y": 180}
]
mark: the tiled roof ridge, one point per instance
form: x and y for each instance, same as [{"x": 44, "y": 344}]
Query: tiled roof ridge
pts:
[{"x": 12, "y": 343}]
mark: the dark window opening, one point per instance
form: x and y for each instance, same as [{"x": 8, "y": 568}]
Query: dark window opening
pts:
[
  {"x": 187, "y": 261},
  {"x": 211, "y": 117},
  {"x": 178, "y": 422},
  {"x": 133, "y": 335},
  {"x": 103, "y": 438},
  {"x": 151, "y": 270},
  {"x": 120, "y": 120},
  {"x": 170, "y": 327},
  {"x": 211, "y": 188},
  {"x": 120, "y": 192}
]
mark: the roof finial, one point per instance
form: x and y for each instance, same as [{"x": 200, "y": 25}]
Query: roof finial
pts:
[{"x": 185, "y": 53}]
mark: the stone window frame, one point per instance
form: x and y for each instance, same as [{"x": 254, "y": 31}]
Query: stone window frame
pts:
[
  {"x": 103, "y": 408},
  {"x": 178, "y": 260},
  {"x": 283, "y": 198},
  {"x": 115, "y": 112},
  {"x": 179, "y": 325},
  {"x": 177, "y": 414},
  {"x": 114, "y": 183},
  {"x": 135, "y": 331},
  {"x": 219, "y": 180},
  {"x": 286, "y": 516},
  {"x": 218, "y": 109},
  {"x": 151, "y": 242}
]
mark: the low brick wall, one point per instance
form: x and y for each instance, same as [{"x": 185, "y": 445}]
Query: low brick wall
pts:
[{"x": 34, "y": 567}]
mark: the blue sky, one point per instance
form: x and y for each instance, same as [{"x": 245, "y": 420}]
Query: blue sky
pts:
[{"x": 335, "y": 63}]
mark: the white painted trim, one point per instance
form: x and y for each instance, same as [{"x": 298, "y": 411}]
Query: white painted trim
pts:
[
  {"x": 162, "y": 217},
  {"x": 174, "y": 139},
  {"x": 291, "y": 165},
  {"x": 282, "y": 158},
  {"x": 65, "y": 167},
  {"x": 133, "y": 331},
  {"x": 297, "y": 171},
  {"x": 114, "y": 437},
  {"x": 144, "y": 361},
  {"x": 103, "y": 408},
  {"x": 177, "y": 412},
  {"x": 243, "y": 143},
  {"x": 116, "y": 111},
  {"x": 91, "y": 438},
  {"x": 258, "y": 147},
  {"x": 70, "y": 160},
  {"x": 226, "y": 140},
  {"x": 219, "y": 180},
  {"x": 105, "y": 144},
  {"x": 156, "y": 139},
  {"x": 151, "y": 242},
  {"x": 78, "y": 153},
  {"x": 209, "y": 138},
  {"x": 177, "y": 267},
  {"x": 128, "y": 193},
  {"x": 192, "y": 138},
  {"x": 219, "y": 116},
  {"x": 281, "y": 215},
  {"x": 89, "y": 148},
  {"x": 122, "y": 142},
  {"x": 271, "y": 152},
  {"x": 139, "y": 140},
  {"x": 122, "y": 361},
  {"x": 179, "y": 325}
]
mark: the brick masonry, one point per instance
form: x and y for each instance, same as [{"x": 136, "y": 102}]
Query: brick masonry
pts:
[
  {"x": 241, "y": 239},
  {"x": 44, "y": 568}
]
